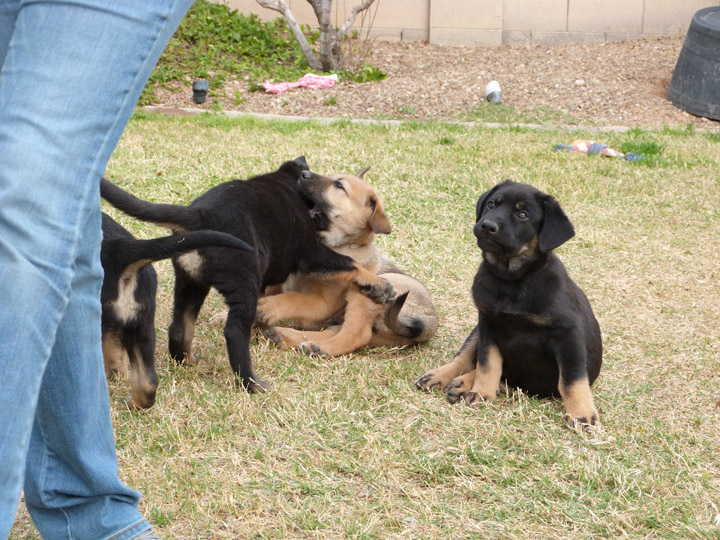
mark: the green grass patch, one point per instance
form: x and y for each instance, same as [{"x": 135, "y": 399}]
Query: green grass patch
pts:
[
  {"x": 347, "y": 448},
  {"x": 507, "y": 114}
]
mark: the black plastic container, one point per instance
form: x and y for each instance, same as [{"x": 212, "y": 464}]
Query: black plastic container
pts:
[{"x": 695, "y": 84}]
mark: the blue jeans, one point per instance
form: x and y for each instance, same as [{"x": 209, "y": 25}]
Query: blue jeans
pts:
[{"x": 70, "y": 74}]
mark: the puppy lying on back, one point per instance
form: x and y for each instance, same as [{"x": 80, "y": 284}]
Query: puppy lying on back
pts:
[
  {"x": 128, "y": 300},
  {"x": 536, "y": 330},
  {"x": 349, "y": 321}
]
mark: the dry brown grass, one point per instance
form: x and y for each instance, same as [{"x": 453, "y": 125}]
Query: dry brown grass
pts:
[{"x": 347, "y": 448}]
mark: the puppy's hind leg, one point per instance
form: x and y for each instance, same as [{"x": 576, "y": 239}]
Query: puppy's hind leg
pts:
[
  {"x": 355, "y": 332},
  {"x": 189, "y": 298},
  {"x": 579, "y": 403},
  {"x": 238, "y": 328}
]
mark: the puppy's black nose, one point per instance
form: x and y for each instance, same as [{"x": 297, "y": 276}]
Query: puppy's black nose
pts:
[
  {"x": 306, "y": 175},
  {"x": 489, "y": 226}
]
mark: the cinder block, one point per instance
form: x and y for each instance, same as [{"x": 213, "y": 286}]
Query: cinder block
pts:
[
  {"x": 460, "y": 37},
  {"x": 392, "y": 37},
  {"x": 466, "y": 14},
  {"x": 625, "y": 37},
  {"x": 670, "y": 17},
  {"x": 516, "y": 37},
  {"x": 619, "y": 16},
  {"x": 413, "y": 34},
  {"x": 565, "y": 38},
  {"x": 396, "y": 13},
  {"x": 536, "y": 15}
]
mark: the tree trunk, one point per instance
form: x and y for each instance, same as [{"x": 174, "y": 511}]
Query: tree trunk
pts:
[
  {"x": 282, "y": 7},
  {"x": 329, "y": 57}
]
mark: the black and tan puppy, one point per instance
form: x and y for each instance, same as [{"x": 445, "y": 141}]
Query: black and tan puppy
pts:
[
  {"x": 536, "y": 330},
  {"x": 128, "y": 300},
  {"x": 267, "y": 211}
]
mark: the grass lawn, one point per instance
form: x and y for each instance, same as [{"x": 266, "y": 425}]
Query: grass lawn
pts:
[{"x": 348, "y": 448}]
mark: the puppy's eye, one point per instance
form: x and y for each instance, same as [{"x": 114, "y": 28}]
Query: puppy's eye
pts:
[
  {"x": 338, "y": 184},
  {"x": 491, "y": 204},
  {"x": 522, "y": 214}
]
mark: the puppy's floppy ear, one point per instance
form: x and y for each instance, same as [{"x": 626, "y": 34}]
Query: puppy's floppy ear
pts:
[
  {"x": 378, "y": 220},
  {"x": 556, "y": 227},
  {"x": 362, "y": 172}
]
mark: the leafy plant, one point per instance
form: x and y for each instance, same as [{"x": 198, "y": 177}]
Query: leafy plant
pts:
[
  {"x": 216, "y": 43},
  {"x": 368, "y": 73}
]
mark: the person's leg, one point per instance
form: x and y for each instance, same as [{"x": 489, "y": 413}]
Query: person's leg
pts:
[{"x": 69, "y": 81}]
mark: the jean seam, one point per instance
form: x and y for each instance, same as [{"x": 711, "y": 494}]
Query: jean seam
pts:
[{"x": 128, "y": 529}]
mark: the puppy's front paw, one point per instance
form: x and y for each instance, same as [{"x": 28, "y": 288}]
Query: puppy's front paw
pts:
[
  {"x": 458, "y": 388},
  {"x": 429, "y": 381},
  {"x": 379, "y": 293},
  {"x": 266, "y": 313}
]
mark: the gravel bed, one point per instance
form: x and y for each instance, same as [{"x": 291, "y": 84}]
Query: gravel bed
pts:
[{"x": 593, "y": 84}]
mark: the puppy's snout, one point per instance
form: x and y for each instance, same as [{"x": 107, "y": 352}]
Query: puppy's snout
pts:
[
  {"x": 306, "y": 175},
  {"x": 489, "y": 226}
]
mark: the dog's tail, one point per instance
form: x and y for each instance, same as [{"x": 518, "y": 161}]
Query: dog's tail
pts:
[
  {"x": 416, "y": 329},
  {"x": 130, "y": 255},
  {"x": 173, "y": 216}
]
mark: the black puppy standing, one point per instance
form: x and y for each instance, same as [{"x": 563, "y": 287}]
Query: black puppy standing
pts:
[
  {"x": 128, "y": 299},
  {"x": 271, "y": 213},
  {"x": 536, "y": 330}
]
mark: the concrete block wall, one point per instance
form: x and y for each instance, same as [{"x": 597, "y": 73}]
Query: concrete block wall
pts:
[{"x": 489, "y": 23}]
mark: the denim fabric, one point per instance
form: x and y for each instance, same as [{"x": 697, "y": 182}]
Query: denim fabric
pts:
[{"x": 70, "y": 74}]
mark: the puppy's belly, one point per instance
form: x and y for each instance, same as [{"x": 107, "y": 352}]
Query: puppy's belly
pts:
[{"x": 529, "y": 364}]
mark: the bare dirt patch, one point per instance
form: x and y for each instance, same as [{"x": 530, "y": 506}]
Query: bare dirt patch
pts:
[{"x": 612, "y": 83}]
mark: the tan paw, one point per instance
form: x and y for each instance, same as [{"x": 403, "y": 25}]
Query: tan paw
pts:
[
  {"x": 266, "y": 314},
  {"x": 460, "y": 386},
  {"x": 311, "y": 348},
  {"x": 584, "y": 421},
  {"x": 432, "y": 380}
]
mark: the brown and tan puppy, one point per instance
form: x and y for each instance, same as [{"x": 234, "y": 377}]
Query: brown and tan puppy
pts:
[{"x": 332, "y": 318}]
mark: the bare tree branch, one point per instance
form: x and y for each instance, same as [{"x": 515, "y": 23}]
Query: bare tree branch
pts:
[
  {"x": 282, "y": 7},
  {"x": 329, "y": 56},
  {"x": 351, "y": 19}
]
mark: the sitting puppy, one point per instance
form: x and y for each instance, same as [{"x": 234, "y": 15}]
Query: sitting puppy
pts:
[
  {"x": 268, "y": 211},
  {"x": 128, "y": 300},
  {"x": 536, "y": 330},
  {"x": 355, "y": 215}
]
